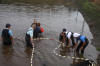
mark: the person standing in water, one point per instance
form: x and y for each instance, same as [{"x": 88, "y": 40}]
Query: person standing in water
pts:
[
  {"x": 7, "y": 35},
  {"x": 38, "y": 29},
  {"x": 29, "y": 35}
]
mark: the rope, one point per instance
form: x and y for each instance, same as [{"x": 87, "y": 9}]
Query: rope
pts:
[
  {"x": 91, "y": 63},
  {"x": 32, "y": 56}
]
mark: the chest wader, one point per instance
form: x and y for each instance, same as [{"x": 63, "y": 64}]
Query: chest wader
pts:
[
  {"x": 28, "y": 40},
  {"x": 6, "y": 37}
]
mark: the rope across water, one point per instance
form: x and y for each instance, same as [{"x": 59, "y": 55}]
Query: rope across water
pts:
[{"x": 92, "y": 63}]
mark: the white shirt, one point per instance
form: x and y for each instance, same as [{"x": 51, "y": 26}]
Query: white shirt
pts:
[
  {"x": 30, "y": 32},
  {"x": 68, "y": 34}
]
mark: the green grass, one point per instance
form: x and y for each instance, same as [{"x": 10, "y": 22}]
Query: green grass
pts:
[
  {"x": 91, "y": 10},
  {"x": 98, "y": 48}
]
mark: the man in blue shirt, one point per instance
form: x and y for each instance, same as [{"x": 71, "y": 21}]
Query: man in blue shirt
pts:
[
  {"x": 83, "y": 42},
  {"x": 29, "y": 35},
  {"x": 7, "y": 35}
]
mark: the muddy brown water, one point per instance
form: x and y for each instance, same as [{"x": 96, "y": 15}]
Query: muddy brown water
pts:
[{"x": 53, "y": 19}]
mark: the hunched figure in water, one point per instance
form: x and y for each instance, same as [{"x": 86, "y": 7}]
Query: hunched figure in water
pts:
[{"x": 79, "y": 41}]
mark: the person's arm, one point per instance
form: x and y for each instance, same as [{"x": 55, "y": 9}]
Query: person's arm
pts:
[
  {"x": 69, "y": 40},
  {"x": 31, "y": 35},
  {"x": 60, "y": 37},
  {"x": 84, "y": 42},
  {"x": 68, "y": 45},
  {"x": 76, "y": 43},
  {"x": 12, "y": 39},
  {"x": 32, "y": 41},
  {"x": 11, "y": 36},
  {"x": 83, "y": 45},
  {"x": 35, "y": 20}
]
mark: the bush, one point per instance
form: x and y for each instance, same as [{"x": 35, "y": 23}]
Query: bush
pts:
[{"x": 91, "y": 10}]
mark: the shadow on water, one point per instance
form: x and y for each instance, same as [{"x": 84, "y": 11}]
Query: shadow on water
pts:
[
  {"x": 7, "y": 52},
  {"x": 28, "y": 51}
]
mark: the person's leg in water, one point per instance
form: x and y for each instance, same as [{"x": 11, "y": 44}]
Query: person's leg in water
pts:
[
  {"x": 6, "y": 42},
  {"x": 78, "y": 48},
  {"x": 67, "y": 48},
  {"x": 28, "y": 42},
  {"x": 62, "y": 38},
  {"x": 87, "y": 42},
  {"x": 73, "y": 41}
]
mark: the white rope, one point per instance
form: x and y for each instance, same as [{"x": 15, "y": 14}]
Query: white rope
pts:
[
  {"x": 32, "y": 56},
  {"x": 54, "y": 51},
  {"x": 92, "y": 63}
]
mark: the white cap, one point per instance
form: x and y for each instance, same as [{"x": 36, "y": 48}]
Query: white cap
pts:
[
  {"x": 66, "y": 32},
  {"x": 76, "y": 35}
]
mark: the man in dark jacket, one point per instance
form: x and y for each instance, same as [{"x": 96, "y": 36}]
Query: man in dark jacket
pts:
[{"x": 7, "y": 35}]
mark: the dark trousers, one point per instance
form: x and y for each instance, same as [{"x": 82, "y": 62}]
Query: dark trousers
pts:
[
  {"x": 7, "y": 42},
  {"x": 80, "y": 45},
  {"x": 28, "y": 41}
]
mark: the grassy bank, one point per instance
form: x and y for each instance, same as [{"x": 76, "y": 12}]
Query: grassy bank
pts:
[
  {"x": 91, "y": 10},
  {"x": 91, "y": 13},
  {"x": 33, "y": 2}
]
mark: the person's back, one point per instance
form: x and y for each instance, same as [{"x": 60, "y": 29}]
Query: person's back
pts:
[
  {"x": 82, "y": 38},
  {"x": 6, "y": 36},
  {"x": 37, "y": 30},
  {"x": 29, "y": 35}
]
